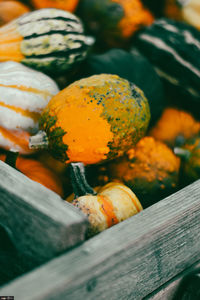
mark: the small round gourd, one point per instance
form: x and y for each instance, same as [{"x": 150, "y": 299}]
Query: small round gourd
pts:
[
  {"x": 24, "y": 94},
  {"x": 69, "y": 5},
  {"x": 114, "y": 203},
  {"x": 150, "y": 169},
  {"x": 10, "y": 10},
  {"x": 114, "y": 21},
  {"x": 50, "y": 40},
  {"x": 94, "y": 119}
]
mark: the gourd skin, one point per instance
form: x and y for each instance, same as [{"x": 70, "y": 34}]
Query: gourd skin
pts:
[
  {"x": 98, "y": 118},
  {"x": 10, "y": 10},
  {"x": 24, "y": 94},
  {"x": 175, "y": 126},
  {"x": 50, "y": 40},
  {"x": 150, "y": 169},
  {"x": 114, "y": 203},
  {"x": 114, "y": 21},
  {"x": 69, "y": 5}
]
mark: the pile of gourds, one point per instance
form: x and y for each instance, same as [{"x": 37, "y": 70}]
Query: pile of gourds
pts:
[{"x": 103, "y": 88}]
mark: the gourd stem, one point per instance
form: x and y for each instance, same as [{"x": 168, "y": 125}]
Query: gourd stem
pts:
[
  {"x": 39, "y": 141},
  {"x": 182, "y": 153},
  {"x": 79, "y": 183},
  {"x": 11, "y": 158}
]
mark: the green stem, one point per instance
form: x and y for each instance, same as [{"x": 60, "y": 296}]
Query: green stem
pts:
[
  {"x": 78, "y": 180},
  {"x": 39, "y": 141},
  {"x": 182, "y": 153},
  {"x": 11, "y": 158}
]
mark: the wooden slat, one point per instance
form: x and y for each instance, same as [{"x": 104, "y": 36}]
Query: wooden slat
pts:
[
  {"x": 128, "y": 261},
  {"x": 40, "y": 224}
]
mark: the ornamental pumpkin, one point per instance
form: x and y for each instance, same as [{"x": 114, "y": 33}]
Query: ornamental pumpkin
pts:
[
  {"x": 175, "y": 126},
  {"x": 50, "y": 40},
  {"x": 24, "y": 94},
  {"x": 114, "y": 203},
  {"x": 150, "y": 169},
  {"x": 93, "y": 119},
  {"x": 69, "y": 5},
  {"x": 173, "y": 48},
  {"x": 131, "y": 66},
  {"x": 10, "y": 10},
  {"x": 190, "y": 159},
  {"x": 114, "y": 21},
  {"x": 35, "y": 170}
]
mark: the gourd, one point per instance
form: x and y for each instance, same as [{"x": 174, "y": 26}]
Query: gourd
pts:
[
  {"x": 175, "y": 127},
  {"x": 35, "y": 170},
  {"x": 10, "y": 10},
  {"x": 189, "y": 153},
  {"x": 114, "y": 203},
  {"x": 173, "y": 48},
  {"x": 150, "y": 169},
  {"x": 131, "y": 66},
  {"x": 50, "y": 40},
  {"x": 69, "y": 5},
  {"x": 114, "y": 21},
  {"x": 92, "y": 120},
  {"x": 24, "y": 94}
]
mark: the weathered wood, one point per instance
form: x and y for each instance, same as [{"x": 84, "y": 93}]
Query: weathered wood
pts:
[
  {"x": 39, "y": 223},
  {"x": 169, "y": 290},
  {"x": 128, "y": 261}
]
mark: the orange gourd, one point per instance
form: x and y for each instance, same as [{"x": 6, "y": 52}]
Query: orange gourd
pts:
[
  {"x": 10, "y": 10},
  {"x": 69, "y": 5},
  {"x": 114, "y": 203},
  {"x": 36, "y": 171}
]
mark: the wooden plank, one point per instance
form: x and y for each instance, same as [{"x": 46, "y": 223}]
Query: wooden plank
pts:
[
  {"x": 169, "y": 290},
  {"x": 128, "y": 261},
  {"x": 39, "y": 223}
]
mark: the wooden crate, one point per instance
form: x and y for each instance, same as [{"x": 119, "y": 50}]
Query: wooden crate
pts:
[{"x": 131, "y": 260}]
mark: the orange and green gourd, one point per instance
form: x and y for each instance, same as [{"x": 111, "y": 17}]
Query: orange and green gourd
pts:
[
  {"x": 175, "y": 126},
  {"x": 24, "y": 94},
  {"x": 113, "y": 203},
  {"x": 189, "y": 153},
  {"x": 49, "y": 40},
  {"x": 93, "y": 120},
  {"x": 115, "y": 21},
  {"x": 150, "y": 169},
  {"x": 10, "y": 10},
  {"x": 69, "y": 5}
]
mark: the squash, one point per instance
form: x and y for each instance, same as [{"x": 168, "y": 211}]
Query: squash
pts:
[
  {"x": 93, "y": 120},
  {"x": 114, "y": 21},
  {"x": 131, "y": 66},
  {"x": 69, "y": 5},
  {"x": 50, "y": 40},
  {"x": 172, "y": 9},
  {"x": 150, "y": 169},
  {"x": 173, "y": 48},
  {"x": 35, "y": 170},
  {"x": 10, "y": 10},
  {"x": 24, "y": 94},
  {"x": 174, "y": 127},
  {"x": 114, "y": 203},
  {"x": 189, "y": 153}
]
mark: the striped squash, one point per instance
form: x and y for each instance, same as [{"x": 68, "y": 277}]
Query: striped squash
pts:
[
  {"x": 24, "y": 93},
  {"x": 114, "y": 203},
  {"x": 50, "y": 40},
  {"x": 174, "y": 49}
]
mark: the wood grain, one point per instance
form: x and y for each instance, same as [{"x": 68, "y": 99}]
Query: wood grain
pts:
[
  {"x": 40, "y": 224},
  {"x": 128, "y": 261}
]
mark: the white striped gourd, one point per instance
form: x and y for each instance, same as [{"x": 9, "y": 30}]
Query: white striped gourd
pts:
[
  {"x": 50, "y": 40},
  {"x": 23, "y": 95},
  {"x": 174, "y": 49}
]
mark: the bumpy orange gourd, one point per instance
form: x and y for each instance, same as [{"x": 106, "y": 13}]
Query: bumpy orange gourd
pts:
[
  {"x": 69, "y": 5},
  {"x": 94, "y": 119},
  {"x": 175, "y": 126},
  {"x": 36, "y": 171},
  {"x": 114, "y": 203},
  {"x": 10, "y": 10},
  {"x": 150, "y": 169}
]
